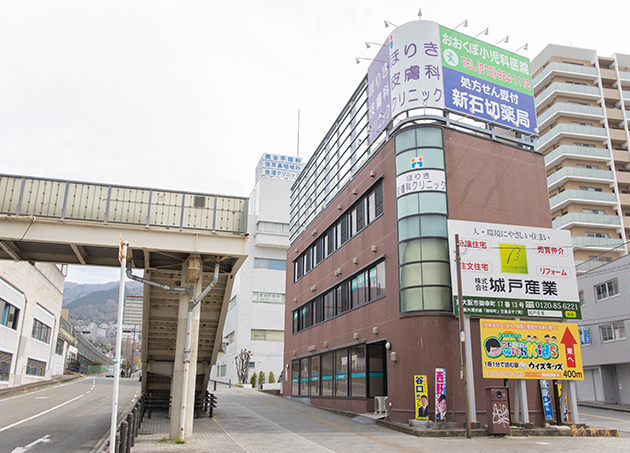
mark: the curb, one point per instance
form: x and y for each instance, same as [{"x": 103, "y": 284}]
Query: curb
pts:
[{"x": 12, "y": 391}]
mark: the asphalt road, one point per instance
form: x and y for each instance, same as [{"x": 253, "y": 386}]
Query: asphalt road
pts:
[
  {"x": 603, "y": 418},
  {"x": 70, "y": 417}
]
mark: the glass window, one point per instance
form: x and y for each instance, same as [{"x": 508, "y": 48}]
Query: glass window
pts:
[
  {"x": 329, "y": 305},
  {"x": 341, "y": 372},
  {"x": 5, "y": 365},
  {"x": 434, "y": 249},
  {"x": 403, "y": 161},
  {"x": 8, "y": 315},
  {"x": 432, "y": 202},
  {"x": 437, "y": 298},
  {"x": 371, "y": 202},
  {"x": 429, "y": 136},
  {"x": 35, "y": 367},
  {"x": 304, "y": 377},
  {"x": 411, "y": 275},
  {"x": 377, "y": 281},
  {"x": 433, "y": 225},
  {"x": 411, "y": 299},
  {"x": 359, "y": 286},
  {"x": 405, "y": 140},
  {"x": 295, "y": 377},
  {"x": 314, "y": 387},
  {"x": 409, "y": 251},
  {"x": 409, "y": 227},
  {"x": 408, "y": 205},
  {"x": 606, "y": 290},
  {"x": 41, "y": 331},
  {"x": 327, "y": 374},
  {"x": 358, "y": 382},
  {"x": 436, "y": 273},
  {"x": 613, "y": 332}
]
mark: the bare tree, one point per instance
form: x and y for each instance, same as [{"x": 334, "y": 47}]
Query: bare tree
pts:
[{"x": 242, "y": 365}]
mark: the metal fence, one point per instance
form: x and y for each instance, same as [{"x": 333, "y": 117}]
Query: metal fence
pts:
[{"x": 81, "y": 201}]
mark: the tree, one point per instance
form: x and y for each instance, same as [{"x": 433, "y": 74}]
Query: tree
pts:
[
  {"x": 242, "y": 365},
  {"x": 272, "y": 378},
  {"x": 261, "y": 377},
  {"x": 253, "y": 380}
]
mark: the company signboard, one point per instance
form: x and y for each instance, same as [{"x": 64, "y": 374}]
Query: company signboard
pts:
[
  {"x": 515, "y": 271},
  {"x": 530, "y": 350},
  {"x": 278, "y": 166},
  {"x": 422, "y": 64}
]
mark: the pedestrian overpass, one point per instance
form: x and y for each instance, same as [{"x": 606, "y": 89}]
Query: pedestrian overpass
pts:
[{"x": 178, "y": 239}]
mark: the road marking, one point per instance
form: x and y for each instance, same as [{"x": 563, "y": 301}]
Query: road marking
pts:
[
  {"x": 607, "y": 418},
  {"x": 41, "y": 413},
  {"x": 41, "y": 397},
  {"x": 44, "y": 439},
  {"x": 42, "y": 390},
  {"x": 335, "y": 425}
]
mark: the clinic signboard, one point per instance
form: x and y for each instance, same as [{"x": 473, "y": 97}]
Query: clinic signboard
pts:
[
  {"x": 515, "y": 271},
  {"x": 527, "y": 349},
  {"x": 424, "y": 65}
]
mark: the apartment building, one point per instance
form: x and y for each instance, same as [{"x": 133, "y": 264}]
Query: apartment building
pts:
[{"x": 582, "y": 104}]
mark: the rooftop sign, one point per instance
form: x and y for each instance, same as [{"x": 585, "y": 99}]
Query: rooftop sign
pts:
[{"x": 425, "y": 65}]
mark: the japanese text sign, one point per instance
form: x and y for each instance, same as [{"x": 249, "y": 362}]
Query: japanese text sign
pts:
[
  {"x": 440, "y": 394},
  {"x": 420, "y": 181},
  {"x": 421, "y": 392},
  {"x": 515, "y": 271},
  {"x": 530, "y": 350}
]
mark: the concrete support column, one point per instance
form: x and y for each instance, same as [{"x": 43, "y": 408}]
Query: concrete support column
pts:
[
  {"x": 573, "y": 407},
  {"x": 189, "y": 277},
  {"x": 522, "y": 384},
  {"x": 146, "y": 307}
]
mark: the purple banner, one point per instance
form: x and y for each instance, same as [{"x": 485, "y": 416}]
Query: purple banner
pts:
[{"x": 379, "y": 100}]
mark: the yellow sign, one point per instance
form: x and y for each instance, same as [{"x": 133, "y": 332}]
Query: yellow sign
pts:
[
  {"x": 530, "y": 350},
  {"x": 422, "y": 400},
  {"x": 513, "y": 259}
]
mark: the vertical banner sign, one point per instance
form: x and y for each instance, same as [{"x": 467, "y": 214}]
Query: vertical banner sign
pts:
[
  {"x": 440, "y": 394},
  {"x": 546, "y": 399},
  {"x": 422, "y": 397}
]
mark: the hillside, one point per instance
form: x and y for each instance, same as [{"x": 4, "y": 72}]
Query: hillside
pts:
[{"x": 96, "y": 303}]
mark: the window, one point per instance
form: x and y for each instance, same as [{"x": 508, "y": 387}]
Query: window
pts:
[
  {"x": 5, "y": 365},
  {"x": 230, "y": 337},
  {"x": 232, "y": 303},
  {"x": 9, "y": 315},
  {"x": 606, "y": 290},
  {"x": 581, "y": 297},
  {"x": 273, "y": 227},
  {"x": 271, "y": 264},
  {"x": 575, "y": 83},
  {"x": 591, "y": 234},
  {"x": 267, "y": 298},
  {"x": 578, "y": 103},
  {"x": 590, "y": 167},
  {"x": 59, "y": 349},
  {"x": 613, "y": 332},
  {"x": 295, "y": 377},
  {"x": 358, "y": 290},
  {"x": 41, "y": 331},
  {"x": 591, "y": 189},
  {"x": 366, "y": 209},
  {"x": 314, "y": 386},
  {"x": 221, "y": 370},
  {"x": 267, "y": 335},
  {"x": 35, "y": 367},
  {"x": 584, "y": 145},
  {"x": 577, "y": 123},
  {"x": 593, "y": 211}
]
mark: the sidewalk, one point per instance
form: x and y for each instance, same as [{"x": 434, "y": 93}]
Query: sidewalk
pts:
[
  {"x": 55, "y": 380},
  {"x": 602, "y": 405}
]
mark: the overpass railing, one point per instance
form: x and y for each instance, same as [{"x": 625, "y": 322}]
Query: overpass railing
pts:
[{"x": 102, "y": 203}]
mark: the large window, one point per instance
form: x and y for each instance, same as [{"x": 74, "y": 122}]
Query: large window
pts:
[
  {"x": 423, "y": 258},
  {"x": 35, "y": 367},
  {"x": 606, "y": 290},
  {"x": 613, "y": 332},
  {"x": 5, "y": 365},
  {"x": 363, "y": 212},
  {"x": 366, "y": 286},
  {"x": 267, "y": 335},
  {"x": 41, "y": 331},
  {"x": 8, "y": 315},
  {"x": 59, "y": 349}
]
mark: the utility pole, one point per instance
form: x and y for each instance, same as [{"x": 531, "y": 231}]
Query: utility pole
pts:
[{"x": 462, "y": 332}]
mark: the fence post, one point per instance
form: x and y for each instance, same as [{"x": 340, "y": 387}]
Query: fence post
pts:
[
  {"x": 215, "y": 386},
  {"x": 130, "y": 431},
  {"x": 124, "y": 428}
]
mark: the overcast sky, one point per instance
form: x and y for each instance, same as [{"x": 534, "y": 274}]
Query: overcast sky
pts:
[{"x": 187, "y": 95}]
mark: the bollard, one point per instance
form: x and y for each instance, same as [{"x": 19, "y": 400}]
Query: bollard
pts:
[
  {"x": 130, "y": 431},
  {"x": 117, "y": 442},
  {"x": 123, "y": 436},
  {"x": 230, "y": 383},
  {"x": 149, "y": 405},
  {"x": 215, "y": 386}
]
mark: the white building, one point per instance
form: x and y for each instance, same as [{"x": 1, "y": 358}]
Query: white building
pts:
[
  {"x": 255, "y": 320},
  {"x": 30, "y": 307}
]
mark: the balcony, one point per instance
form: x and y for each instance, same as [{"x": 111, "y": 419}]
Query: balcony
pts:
[
  {"x": 624, "y": 199},
  {"x": 567, "y": 197},
  {"x": 579, "y": 174},
  {"x": 577, "y": 152},
  {"x": 563, "y": 130},
  {"x": 572, "y": 70},
  {"x": 572, "y": 219},
  {"x": 568, "y": 110},
  {"x": 623, "y": 178},
  {"x": 596, "y": 243},
  {"x": 568, "y": 89}
]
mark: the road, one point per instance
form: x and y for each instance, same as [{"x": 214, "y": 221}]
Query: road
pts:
[
  {"x": 69, "y": 417},
  {"x": 603, "y": 418}
]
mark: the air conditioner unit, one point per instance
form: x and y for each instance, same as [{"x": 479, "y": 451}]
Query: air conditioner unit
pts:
[{"x": 380, "y": 404}]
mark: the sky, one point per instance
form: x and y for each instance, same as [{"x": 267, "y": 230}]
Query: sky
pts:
[{"x": 188, "y": 95}]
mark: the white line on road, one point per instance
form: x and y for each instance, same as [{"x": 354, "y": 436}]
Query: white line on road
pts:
[
  {"x": 41, "y": 413},
  {"x": 32, "y": 444},
  {"x": 42, "y": 390}
]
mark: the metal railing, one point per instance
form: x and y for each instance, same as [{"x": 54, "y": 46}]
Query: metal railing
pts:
[
  {"x": 105, "y": 204},
  {"x": 127, "y": 429},
  {"x": 565, "y": 67}
]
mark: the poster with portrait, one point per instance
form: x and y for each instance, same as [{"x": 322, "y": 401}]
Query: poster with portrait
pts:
[
  {"x": 440, "y": 394},
  {"x": 421, "y": 397}
]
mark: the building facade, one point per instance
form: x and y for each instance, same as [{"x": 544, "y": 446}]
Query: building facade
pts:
[
  {"x": 255, "y": 320},
  {"x": 605, "y": 313},
  {"x": 369, "y": 294},
  {"x": 30, "y": 307},
  {"x": 583, "y": 109}
]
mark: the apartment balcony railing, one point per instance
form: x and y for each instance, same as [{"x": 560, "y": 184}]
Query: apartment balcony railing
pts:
[
  {"x": 589, "y": 132},
  {"x": 583, "y": 91},
  {"x": 607, "y": 243},
  {"x": 586, "y": 196},
  {"x": 624, "y": 75},
  {"x": 584, "y": 111},
  {"x": 566, "y": 68},
  {"x": 109, "y": 204},
  {"x": 579, "y": 173},
  {"x": 578, "y": 151},
  {"x": 592, "y": 219}
]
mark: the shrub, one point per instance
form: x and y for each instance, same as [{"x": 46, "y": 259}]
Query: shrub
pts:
[
  {"x": 253, "y": 380},
  {"x": 272, "y": 378},
  {"x": 261, "y": 378}
]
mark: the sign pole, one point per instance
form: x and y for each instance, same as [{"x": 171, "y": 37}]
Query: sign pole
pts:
[
  {"x": 122, "y": 257},
  {"x": 462, "y": 333}
]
